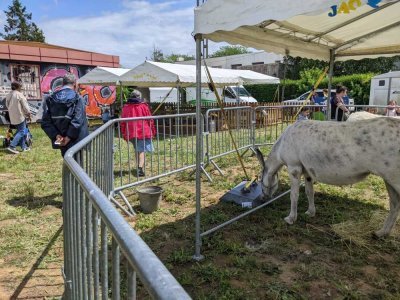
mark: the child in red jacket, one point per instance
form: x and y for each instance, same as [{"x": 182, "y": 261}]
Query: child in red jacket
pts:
[{"x": 138, "y": 132}]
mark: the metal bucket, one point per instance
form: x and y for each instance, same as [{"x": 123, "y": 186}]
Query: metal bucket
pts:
[{"x": 149, "y": 198}]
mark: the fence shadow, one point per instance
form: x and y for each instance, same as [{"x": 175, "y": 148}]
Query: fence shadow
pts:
[
  {"x": 260, "y": 247},
  {"x": 34, "y": 202},
  {"x": 35, "y": 267}
]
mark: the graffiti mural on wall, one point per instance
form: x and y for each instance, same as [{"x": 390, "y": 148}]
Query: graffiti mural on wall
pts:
[{"x": 96, "y": 97}]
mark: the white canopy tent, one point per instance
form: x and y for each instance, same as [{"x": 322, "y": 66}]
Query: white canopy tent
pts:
[
  {"x": 157, "y": 74},
  {"x": 325, "y": 30},
  {"x": 304, "y": 28},
  {"x": 102, "y": 76}
]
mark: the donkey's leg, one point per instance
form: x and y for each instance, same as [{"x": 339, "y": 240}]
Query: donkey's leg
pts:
[
  {"x": 394, "y": 199},
  {"x": 294, "y": 175},
  {"x": 309, "y": 185}
]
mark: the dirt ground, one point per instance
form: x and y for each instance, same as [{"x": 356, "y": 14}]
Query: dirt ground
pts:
[{"x": 39, "y": 276}]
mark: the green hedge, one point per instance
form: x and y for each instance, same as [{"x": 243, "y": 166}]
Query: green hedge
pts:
[{"x": 358, "y": 85}]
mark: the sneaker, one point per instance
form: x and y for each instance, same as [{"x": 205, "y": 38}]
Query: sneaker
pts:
[
  {"x": 26, "y": 149},
  {"x": 13, "y": 150},
  {"x": 140, "y": 172}
]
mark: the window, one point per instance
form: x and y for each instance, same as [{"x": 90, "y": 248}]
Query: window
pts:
[
  {"x": 28, "y": 76},
  {"x": 236, "y": 66},
  {"x": 381, "y": 82},
  {"x": 229, "y": 93},
  {"x": 257, "y": 63}
]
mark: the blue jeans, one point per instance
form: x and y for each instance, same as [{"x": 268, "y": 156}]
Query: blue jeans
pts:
[{"x": 19, "y": 138}]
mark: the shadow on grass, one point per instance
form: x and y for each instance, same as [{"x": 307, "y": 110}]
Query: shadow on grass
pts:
[
  {"x": 35, "y": 267},
  {"x": 34, "y": 202},
  {"x": 261, "y": 257}
]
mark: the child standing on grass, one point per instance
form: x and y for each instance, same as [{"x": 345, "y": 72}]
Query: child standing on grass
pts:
[
  {"x": 392, "y": 109},
  {"x": 106, "y": 116},
  {"x": 304, "y": 114}
]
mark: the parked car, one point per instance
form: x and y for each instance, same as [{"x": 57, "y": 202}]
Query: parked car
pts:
[{"x": 320, "y": 99}]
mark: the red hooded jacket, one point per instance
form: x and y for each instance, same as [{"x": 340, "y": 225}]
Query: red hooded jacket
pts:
[{"x": 140, "y": 129}]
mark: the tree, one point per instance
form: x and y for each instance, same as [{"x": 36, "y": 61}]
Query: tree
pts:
[
  {"x": 295, "y": 65},
  {"x": 157, "y": 55},
  {"x": 377, "y": 65},
  {"x": 19, "y": 25},
  {"x": 172, "y": 58},
  {"x": 229, "y": 50}
]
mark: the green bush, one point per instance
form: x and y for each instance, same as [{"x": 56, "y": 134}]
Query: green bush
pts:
[{"x": 357, "y": 84}]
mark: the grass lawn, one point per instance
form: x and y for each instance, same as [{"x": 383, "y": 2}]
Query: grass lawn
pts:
[{"x": 331, "y": 256}]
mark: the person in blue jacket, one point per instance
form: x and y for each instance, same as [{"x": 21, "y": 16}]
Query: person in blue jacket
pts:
[{"x": 64, "y": 116}]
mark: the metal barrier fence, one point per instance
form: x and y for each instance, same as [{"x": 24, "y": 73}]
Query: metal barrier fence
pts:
[
  {"x": 217, "y": 138},
  {"x": 270, "y": 121},
  {"x": 104, "y": 164},
  {"x": 172, "y": 150},
  {"x": 102, "y": 252}
]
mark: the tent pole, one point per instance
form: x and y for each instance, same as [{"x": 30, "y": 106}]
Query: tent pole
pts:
[
  {"x": 178, "y": 119},
  {"x": 199, "y": 141},
  {"x": 284, "y": 74},
  {"x": 328, "y": 101},
  {"x": 120, "y": 98}
]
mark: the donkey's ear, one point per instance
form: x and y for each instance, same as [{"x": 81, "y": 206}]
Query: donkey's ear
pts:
[{"x": 260, "y": 157}]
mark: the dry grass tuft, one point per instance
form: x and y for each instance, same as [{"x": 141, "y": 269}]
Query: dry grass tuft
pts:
[{"x": 359, "y": 232}]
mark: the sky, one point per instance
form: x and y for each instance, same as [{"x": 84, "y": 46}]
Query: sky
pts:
[{"x": 129, "y": 29}]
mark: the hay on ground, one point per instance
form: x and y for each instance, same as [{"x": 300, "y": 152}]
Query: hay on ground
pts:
[{"x": 359, "y": 232}]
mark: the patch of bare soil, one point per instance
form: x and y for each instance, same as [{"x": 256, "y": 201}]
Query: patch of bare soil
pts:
[
  {"x": 7, "y": 176},
  {"x": 322, "y": 290},
  {"x": 39, "y": 278},
  {"x": 288, "y": 275},
  {"x": 30, "y": 283}
]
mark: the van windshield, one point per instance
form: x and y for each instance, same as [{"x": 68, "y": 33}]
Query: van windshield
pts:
[{"x": 242, "y": 91}]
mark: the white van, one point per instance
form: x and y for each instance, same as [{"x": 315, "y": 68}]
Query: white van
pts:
[
  {"x": 157, "y": 95},
  {"x": 385, "y": 87},
  {"x": 229, "y": 95}
]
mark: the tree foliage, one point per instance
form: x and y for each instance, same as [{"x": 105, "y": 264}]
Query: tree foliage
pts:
[
  {"x": 358, "y": 85},
  {"x": 19, "y": 25},
  {"x": 173, "y": 57},
  {"x": 158, "y": 56},
  {"x": 296, "y": 65},
  {"x": 229, "y": 50},
  {"x": 377, "y": 65}
]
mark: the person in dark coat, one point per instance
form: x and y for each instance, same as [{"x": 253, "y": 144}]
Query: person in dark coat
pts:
[{"x": 64, "y": 116}]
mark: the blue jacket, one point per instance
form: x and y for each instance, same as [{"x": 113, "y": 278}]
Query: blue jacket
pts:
[{"x": 64, "y": 114}]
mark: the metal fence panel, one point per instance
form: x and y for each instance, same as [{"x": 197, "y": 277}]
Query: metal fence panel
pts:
[
  {"x": 218, "y": 140},
  {"x": 88, "y": 214},
  {"x": 174, "y": 149}
]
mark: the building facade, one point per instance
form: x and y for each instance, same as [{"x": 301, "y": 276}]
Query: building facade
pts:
[
  {"x": 260, "y": 61},
  {"x": 39, "y": 67}
]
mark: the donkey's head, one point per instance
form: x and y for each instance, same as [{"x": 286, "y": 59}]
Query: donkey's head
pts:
[{"x": 269, "y": 182}]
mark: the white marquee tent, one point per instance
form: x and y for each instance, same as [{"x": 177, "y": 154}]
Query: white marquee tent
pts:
[
  {"x": 102, "y": 76},
  {"x": 157, "y": 74},
  {"x": 305, "y": 28}
]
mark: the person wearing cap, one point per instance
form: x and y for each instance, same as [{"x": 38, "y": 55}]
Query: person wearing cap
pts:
[
  {"x": 64, "y": 116},
  {"x": 19, "y": 113},
  {"x": 138, "y": 132}
]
